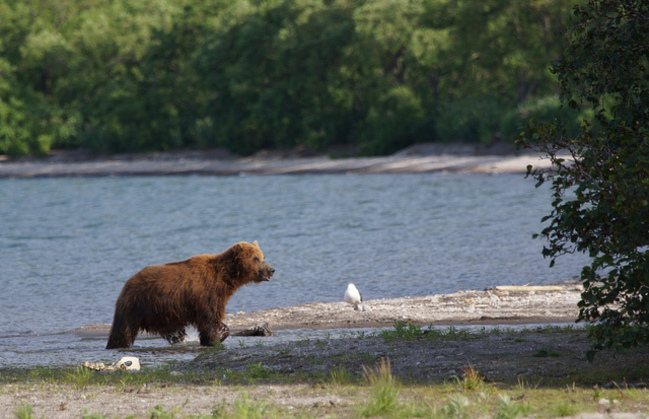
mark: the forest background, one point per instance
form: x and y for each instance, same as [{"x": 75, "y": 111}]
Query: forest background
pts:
[{"x": 244, "y": 75}]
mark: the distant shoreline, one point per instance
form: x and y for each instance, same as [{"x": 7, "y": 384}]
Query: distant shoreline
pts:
[{"x": 417, "y": 159}]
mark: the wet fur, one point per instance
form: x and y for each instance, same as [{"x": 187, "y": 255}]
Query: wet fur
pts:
[{"x": 164, "y": 299}]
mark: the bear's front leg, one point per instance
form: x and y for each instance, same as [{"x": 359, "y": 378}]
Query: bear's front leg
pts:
[
  {"x": 224, "y": 332},
  {"x": 214, "y": 335}
]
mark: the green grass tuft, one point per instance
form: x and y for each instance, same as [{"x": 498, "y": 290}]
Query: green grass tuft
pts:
[
  {"x": 457, "y": 407},
  {"x": 471, "y": 379},
  {"x": 340, "y": 376},
  {"x": 384, "y": 390},
  {"x": 24, "y": 411},
  {"x": 247, "y": 409},
  {"x": 509, "y": 409}
]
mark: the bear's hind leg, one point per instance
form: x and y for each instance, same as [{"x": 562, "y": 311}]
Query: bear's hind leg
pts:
[
  {"x": 176, "y": 337},
  {"x": 121, "y": 336}
]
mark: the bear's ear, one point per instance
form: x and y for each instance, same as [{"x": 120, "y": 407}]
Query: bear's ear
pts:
[
  {"x": 234, "y": 251},
  {"x": 255, "y": 244}
]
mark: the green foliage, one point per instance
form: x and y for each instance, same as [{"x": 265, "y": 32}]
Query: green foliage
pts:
[
  {"x": 340, "y": 376},
  {"x": 24, "y": 411},
  {"x": 472, "y": 119},
  {"x": 142, "y": 75},
  {"x": 544, "y": 109},
  {"x": 247, "y": 409},
  {"x": 408, "y": 332},
  {"x": 277, "y": 77},
  {"x": 397, "y": 120},
  {"x": 27, "y": 123},
  {"x": 600, "y": 177},
  {"x": 89, "y": 415},
  {"x": 259, "y": 371},
  {"x": 457, "y": 407},
  {"x": 158, "y": 412},
  {"x": 384, "y": 390},
  {"x": 402, "y": 331},
  {"x": 509, "y": 409},
  {"x": 564, "y": 408},
  {"x": 471, "y": 379},
  {"x": 81, "y": 377}
]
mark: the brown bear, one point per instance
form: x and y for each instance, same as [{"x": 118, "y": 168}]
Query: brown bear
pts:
[{"x": 164, "y": 299}]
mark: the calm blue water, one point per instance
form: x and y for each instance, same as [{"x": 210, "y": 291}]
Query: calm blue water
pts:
[{"x": 68, "y": 245}]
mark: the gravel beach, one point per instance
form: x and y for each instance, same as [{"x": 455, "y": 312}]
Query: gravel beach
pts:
[
  {"x": 422, "y": 158},
  {"x": 492, "y": 306}
]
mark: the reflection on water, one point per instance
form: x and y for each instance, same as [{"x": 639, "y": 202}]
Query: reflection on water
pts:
[{"x": 68, "y": 245}]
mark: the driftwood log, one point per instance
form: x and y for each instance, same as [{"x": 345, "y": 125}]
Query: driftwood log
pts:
[
  {"x": 263, "y": 330},
  {"x": 529, "y": 288}
]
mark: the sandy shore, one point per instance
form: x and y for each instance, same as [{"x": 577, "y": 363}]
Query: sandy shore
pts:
[
  {"x": 495, "y": 306},
  {"x": 424, "y": 158},
  {"x": 464, "y": 307}
]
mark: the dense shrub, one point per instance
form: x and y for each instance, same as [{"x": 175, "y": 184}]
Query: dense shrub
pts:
[
  {"x": 130, "y": 75},
  {"x": 601, "y": 194}
]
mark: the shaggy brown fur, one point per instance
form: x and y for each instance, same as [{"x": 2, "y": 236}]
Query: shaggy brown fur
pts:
[{"x": 164, "y": 299}]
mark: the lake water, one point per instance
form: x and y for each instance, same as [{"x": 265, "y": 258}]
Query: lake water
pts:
[{"x": 68, "y": 245}]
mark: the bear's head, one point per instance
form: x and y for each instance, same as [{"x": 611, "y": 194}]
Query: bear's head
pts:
[{"x": 250, "y": 262}]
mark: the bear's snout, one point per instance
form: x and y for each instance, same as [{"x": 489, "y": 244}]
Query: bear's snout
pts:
[{"x": 266, "y": 271}]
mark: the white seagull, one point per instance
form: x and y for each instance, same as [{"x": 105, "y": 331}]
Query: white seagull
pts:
[{"x": 353, "y": 296}]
